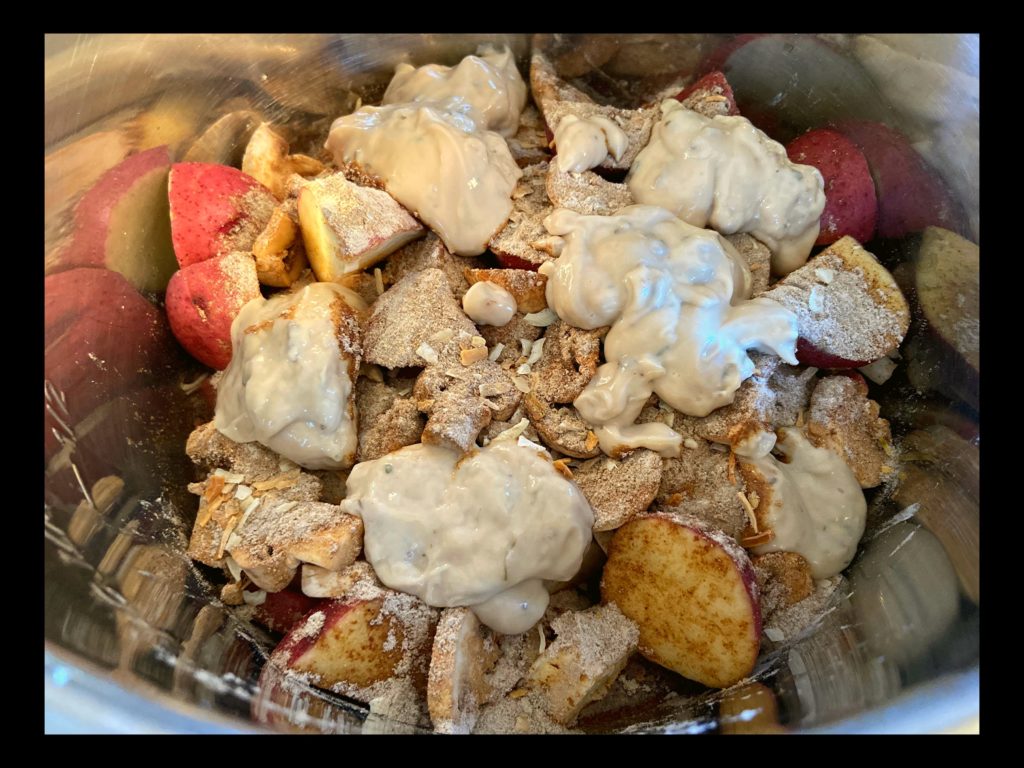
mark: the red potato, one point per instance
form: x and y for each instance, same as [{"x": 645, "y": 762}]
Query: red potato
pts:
[
  {"x": 339, "y": 642},
  {"x": 693, "y": 593},
  {"x": 82, "y": 158},
  {"x": 911, "y": 196},
  {"x": 841, "y": 418},
  {"x": 215, "y": 209},
  {"x": 70, "y": 295},
  {"x": 557, "y": 98},
  {"x": 347, "y": 228},
  {"x": 316, "y": 581},
  {"x": 279, "y": 252},
  {"x": 619, "y": 490},
  {"x": 509, "y": 261},
  {"x": 526, "y": 286},
  {"x": 850, "y": 204},
  {"x": 849, "y": 309},
  {"x": 101, "y": 337},
  {"x": 591, "y": 649},
  {"x": 281, "y": 611},
  {"x": 808, "y": 354},
  {"x": 349, "y": 644},
  {"x": 121, "y": 223},
  {"x": 202, "y": 301},
  {"x": 514, "y": 244},
  {"x": 712, "y": 83}
]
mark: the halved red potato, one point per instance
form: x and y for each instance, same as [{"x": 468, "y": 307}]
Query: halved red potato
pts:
[
  {"x": 849, "y": 309},
  {"x": 693, "y": 593},
  {"x": 281, "y": 611},
  {"x": 203, "y": 300},
  {"x": 352, "y": 643},
  {"x": 851, "y": 207},
  {"x": 215, "y": 209}
]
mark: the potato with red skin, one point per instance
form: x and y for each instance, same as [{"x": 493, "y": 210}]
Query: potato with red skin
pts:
[
  {"x": 71, "y": 295},
  {"x": 121, "y": 223},
  {"x": 911, "y": 196},
  {"x": 281, "y": 611},
  {"x": 709, "y": 83},
  {"x": 850, "y": 204},
  {"x": 808, "y": 354},
  {"x": 349, "y": 644},
  {"x": 101, "y": 337},
  {"x": 215, "y": 209},
  {"x": 509, "y": 261},
  {"x": 849, "y": 309},
  {"x": 693, "y": 593},
  {"x": 203, "y": 300}
]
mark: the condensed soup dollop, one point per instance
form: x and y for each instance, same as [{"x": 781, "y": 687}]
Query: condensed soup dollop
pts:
[
  {"x": 487, "y": 303},
  {"x": 432, "y": 146},
  {"x": 725, "y": 174},
  {"x": 675, "y": 297},
  {"x": 289, "y": 384},
  {"x": 584, "y": 143},
  {"x": 817, "y": 507},
  {"x": 457, "y": 179},
  {"x": 486, "y": 88},
  {"x": 482, "y": 529}
]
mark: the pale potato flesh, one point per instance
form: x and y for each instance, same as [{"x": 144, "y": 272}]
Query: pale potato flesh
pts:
[
  {"x": 350, "y": 647},
  {"x": 694, "y": 604}
]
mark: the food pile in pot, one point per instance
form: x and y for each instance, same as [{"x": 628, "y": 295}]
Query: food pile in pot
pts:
[{"x": 527, "y": 404}]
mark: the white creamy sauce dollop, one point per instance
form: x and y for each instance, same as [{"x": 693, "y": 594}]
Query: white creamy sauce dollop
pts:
[
  {"x": 487, "y": 303},
  {"x": 487, "y": 88},
  {"x": 289, "y": 385},
  {"x": 724, "y": 173},
  {"x": 675, "y": 297},
  {"x": 480, "y": 530},
  {"x": 583, "y": 144},
  {"x": 457, "y": 179},
  {"x": 434, "y": 145},
  {"x": 818, "y": 508}
]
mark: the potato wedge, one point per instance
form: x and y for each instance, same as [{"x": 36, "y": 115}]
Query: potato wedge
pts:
[{"x": 692, "y": 591}]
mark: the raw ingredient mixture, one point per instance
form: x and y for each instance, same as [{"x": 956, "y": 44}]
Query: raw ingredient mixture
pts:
[{"x": 528, "y": 401}]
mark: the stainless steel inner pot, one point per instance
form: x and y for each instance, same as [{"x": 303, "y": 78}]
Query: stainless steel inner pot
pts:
[{"x": 136, "y": 639}]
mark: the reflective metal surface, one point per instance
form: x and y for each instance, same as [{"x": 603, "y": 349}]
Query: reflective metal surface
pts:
[{"x": 137, "y": 640}]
